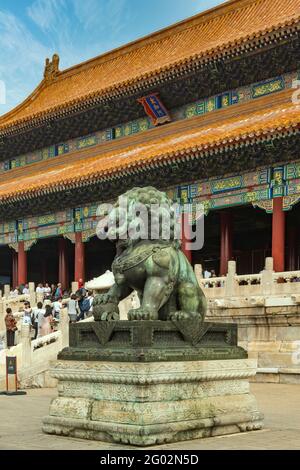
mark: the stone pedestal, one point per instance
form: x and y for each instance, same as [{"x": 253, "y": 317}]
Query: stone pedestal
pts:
[{"x": 154, "y": 402}]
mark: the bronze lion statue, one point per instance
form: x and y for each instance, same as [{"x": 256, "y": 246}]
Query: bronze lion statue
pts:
[{"x": 153, "y": 265}]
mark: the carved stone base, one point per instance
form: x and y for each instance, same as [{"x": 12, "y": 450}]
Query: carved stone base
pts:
[{"x": 152, "y": 403}]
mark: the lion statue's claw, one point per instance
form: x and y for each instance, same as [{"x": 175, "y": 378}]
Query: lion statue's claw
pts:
[
  {"x": 180, "y": 315},
  {"x": 142, "y": 314}
]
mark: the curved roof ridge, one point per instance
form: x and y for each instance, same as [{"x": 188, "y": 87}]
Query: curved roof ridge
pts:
[{"x": 207, "y": 33}]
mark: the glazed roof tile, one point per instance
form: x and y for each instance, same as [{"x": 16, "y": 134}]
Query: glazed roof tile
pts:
[
  {"x": 236, "y": 124},
  {"x": 204, "y": 35}
]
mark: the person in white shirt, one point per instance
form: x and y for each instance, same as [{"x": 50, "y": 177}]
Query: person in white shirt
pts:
[
  {"x": 47, "y": 289},
  {"x": 25, "y": 290},
  {"x": 38, "y": 314},
  {"x": 207, "y": 274},
  {"x": 40, "y": 289},
  {"x": 57, "y": 306},
  {"x": 27, "y": 319}
]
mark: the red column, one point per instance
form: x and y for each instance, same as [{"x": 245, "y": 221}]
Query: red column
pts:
[
  {"x": 63, "y": 274},
  {"x": 226, "y": 241},
  {"x": 292, "y": 248},
  {"x": 278, "y": 234},
  {"x": 185, "y": 238},
  {"x": 79, "y": 257},
  {"x": 22, "y": 264},
  {"x": 14, "y": 269}
]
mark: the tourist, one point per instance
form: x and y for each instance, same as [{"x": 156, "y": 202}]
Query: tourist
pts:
[
  {"x": 81, "y": 295},
  {"x": 57, "y": 306},
  {"x": 73, "y": 308},
  {"x": 206, "y": 274},
  {"x": 90, "y": 298},
  {"x": 46, "y": 321},
  {"x": 38, "y": 314},
  {"x": 58, "y": 293},
  {"x": 40, "y": 289},
  {"x": 84, "y": 305},
  {"x": 25, "y": 290},
  {"x": 11, "y": 328},
  {"x": 27, "y": 317},
  {"x": 15, "y": 292},
  {"x": 47, "y": 291},
  {"x": 53, "y": 290}
]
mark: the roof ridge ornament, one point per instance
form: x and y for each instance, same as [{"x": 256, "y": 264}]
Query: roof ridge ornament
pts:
[{"x": 51, "y": 68}]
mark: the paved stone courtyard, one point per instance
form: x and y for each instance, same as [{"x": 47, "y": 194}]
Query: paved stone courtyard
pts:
[{"x": 21, "y": 416}]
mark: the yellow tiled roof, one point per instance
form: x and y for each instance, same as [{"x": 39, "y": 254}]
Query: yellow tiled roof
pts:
[
  {"x": 173, "y": 141},
  {"x": 204, "y": 35}
]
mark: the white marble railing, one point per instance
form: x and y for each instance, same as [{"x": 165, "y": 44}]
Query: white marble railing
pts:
[
  {"x": 33, "y": 356},
  {"x": 267, "y": 282},
  {"x": 45, "y": 340}
]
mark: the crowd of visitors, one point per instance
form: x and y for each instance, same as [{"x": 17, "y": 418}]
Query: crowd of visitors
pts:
[{"x": 43, "y": 318}]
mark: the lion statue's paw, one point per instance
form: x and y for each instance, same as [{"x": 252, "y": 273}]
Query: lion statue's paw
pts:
[
  {"x": 181, "y": 315},
  {"x": 142, "y": 314}
]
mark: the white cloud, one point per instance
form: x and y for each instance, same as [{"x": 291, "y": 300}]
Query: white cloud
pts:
[
  {"x": 44, "y": 13},
  {"x": 21, "y": 59},
  {"x": 100, "y": 15}
]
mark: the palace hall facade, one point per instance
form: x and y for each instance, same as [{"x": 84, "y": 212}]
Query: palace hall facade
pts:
[{"x": 207, "y": 110}]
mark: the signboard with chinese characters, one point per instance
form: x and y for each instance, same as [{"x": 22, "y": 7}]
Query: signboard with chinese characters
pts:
[{"x": 155, "y": 109}]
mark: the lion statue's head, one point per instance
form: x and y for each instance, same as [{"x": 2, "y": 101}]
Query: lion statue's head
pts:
[{"x": 142, "y": 214}]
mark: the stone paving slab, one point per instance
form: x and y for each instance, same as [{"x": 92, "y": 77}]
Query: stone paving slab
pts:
[{"x": 21, "y": 417}]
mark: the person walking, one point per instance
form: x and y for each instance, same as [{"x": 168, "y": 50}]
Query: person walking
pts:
[
  {"x": 46, "y": 321},
  {"x": 73, "y": 308},
  {"x": 11, "y": 328},
  {"x": 38, "y": 314},
  {"x": 84, "y": 306},
  {"x": 57, "y": 306},
  {"x": 58, "y": 292}
]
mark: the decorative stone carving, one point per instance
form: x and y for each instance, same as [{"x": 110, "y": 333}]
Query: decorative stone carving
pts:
[
  {"x": 155, "y": 267},
  {"x": 51, "y": 68},
  {"x": 187, "y": 400}
]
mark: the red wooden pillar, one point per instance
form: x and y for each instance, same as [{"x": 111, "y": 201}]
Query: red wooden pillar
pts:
[
  {"x": 278, "y": 234},
  {"x": 291, "y": 248},
  {"x": 226, "y": 241},
  {"x": 79, "y": 257},
  {"x": 63, "y": 274},
  {"x": 14, "y": 269},
  {"x": 185, "y": 237},
  {"x": 22, "y": 264}
]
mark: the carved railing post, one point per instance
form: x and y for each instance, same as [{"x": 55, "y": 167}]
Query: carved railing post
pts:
[
  {"x": 231, "y": 284},
  {"x": 32, "y": 294},
  {"x": 267, "y": 284},
  {"x": 39, "y": 297},
  {"x": 74, "y": 287},
  {"x": 6, "y": 291},
  {"x": 198, "y": 273},
  {"x": 2, "y": 314},
  {"x": 64, "y": 327},
  {"x": 26, "y": 346}
]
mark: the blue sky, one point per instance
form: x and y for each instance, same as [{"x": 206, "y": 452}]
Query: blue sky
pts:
[{"x": 31, "y": 30}]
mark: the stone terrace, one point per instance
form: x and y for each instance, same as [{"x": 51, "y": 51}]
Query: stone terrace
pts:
[{"x": 21, "y": 428}]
